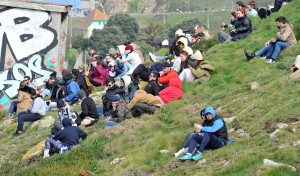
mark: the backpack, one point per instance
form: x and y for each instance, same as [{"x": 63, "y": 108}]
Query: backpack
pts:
[{"x": 90, "y": 86}]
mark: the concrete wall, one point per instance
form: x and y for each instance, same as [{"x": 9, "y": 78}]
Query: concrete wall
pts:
[{"x": 33, "y": 41}]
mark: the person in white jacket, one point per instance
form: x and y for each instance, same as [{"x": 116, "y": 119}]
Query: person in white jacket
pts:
[{"x": 132, "y": 57}]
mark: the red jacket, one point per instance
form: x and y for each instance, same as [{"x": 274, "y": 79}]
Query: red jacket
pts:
[
  {"x": 172, "y": 92},
  {"x": 165, "y": 78},
  {"x": 98, "y": 73}
]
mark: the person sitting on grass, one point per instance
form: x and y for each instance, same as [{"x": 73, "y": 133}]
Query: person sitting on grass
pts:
[
  {"x": 22, "y": 103},
  {"x": 295, "y": 69},
  {"x": 72, "y": 89},
  {"x": 212, "y": 134},
  {"x": 64, "y": 111},
  {"x": 58, "y": 92},
  {"x": 63, "y": 140},
  {"x": 169, "y": 73},
  {"x": 97, "y": 75},
  {"x": 202, "y": 70},
  {"x": 112, "y": 89},
  {"x": 284, "y": 38},
  {"x": 89, "y": 115},
  {"x": 119, "y": 114},
  {"x": 80, "y": 80},
  {"x": 152, "y": 87},
  {"x": 36, "y": 112}
]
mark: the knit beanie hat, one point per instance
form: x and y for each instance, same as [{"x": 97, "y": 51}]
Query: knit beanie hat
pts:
[
  {"x": 115, "y": 99},
  {"x": 81, "y": 94},
  {"x": 129, "y": 47},
  {"x": 197, "y": 56}
]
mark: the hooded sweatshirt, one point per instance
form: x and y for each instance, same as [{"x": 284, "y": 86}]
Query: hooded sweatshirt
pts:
[
  {"x": 215, "y": 126},
  {"x": 99, "y": 74},
  {"x": 72, "y": 90},
  {"x": 186, "y": 47},
  {"x": 172, "y": 92},
  {"x": 203, "y": 70},
  {"x": 134, "y": 59},
  {"x": 68, "y": 113},
  {"x": 286, "y": 34},
  {"x": 70, "y": 135}
]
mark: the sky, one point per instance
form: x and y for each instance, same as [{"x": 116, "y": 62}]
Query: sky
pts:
[{"x": 75, "y": 3}]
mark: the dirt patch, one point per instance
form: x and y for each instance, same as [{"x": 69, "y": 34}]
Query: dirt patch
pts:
[
  {"x": 291, "y": 120},
  {"x": 173, "y": 166},
  {"x": 270, "y": 124}
]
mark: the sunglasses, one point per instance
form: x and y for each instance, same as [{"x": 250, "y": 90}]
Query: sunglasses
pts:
[
  {"x": 25, "y": 80},
  {"x": 109, "y": 85},
  {"x": 180, "y": 43}
]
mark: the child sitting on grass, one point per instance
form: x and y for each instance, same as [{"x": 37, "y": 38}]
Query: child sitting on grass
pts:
[{"x": 63, "y": 140}]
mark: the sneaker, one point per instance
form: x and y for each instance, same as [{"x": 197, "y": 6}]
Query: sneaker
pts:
[
  {"x": 8, "y": 116},
  {"x": 181, "y": 151},
  {"x": 263, "y": 58},
  {"x": 197, "y": 156},
  {"x": 18, "y": 133},
  {"x": 270, "y": 61},
  {"x": 152, "y": 57},
  {"x": 63, "y": 149},
  {"x": 46, "y": 153},
  {"x": 92, "y": 123},
  {"x": 187, "y": 156}
]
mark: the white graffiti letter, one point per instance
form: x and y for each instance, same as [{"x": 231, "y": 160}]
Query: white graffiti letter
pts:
[
  {"x": 35, "y": 65},
  {"x": 24, "y": 31},
  {"x": 13, "y": 89}
]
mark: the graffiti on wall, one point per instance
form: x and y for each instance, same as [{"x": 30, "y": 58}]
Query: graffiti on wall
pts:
[{"x": 26, "y": 38}]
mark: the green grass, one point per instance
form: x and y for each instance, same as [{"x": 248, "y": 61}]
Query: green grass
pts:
[{"x": 139, "y": 140}]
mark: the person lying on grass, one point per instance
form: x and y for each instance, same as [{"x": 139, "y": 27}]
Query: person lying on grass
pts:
[
  {"x": 63, "y": 140},
  {"x": 212, "y": 134}
]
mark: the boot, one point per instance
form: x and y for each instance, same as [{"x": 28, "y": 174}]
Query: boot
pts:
[{"x": 249, "y": 55}]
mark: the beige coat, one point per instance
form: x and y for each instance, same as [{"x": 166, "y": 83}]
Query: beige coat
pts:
[
  {"x": 24, "y": 101},
  {"x": 203, "y": 70},
  {"x": 286, "y": 34},
  {"x": 141, "y": 96}
]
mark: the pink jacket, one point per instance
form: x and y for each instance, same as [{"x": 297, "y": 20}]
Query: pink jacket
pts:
[
  {"x": 98, "y": 73},
  {"x": 172, "y": 92}
]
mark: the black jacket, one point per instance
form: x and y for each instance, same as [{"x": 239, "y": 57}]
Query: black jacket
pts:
[
  {"x": 55, "y": 96},
  {"x": 81, "y": 82},
  {"x": 89, "y": 108},
  {"x": 152, "y": 88},
  {"x": 187, "y": 62},
  {"x": 243, "y": 25}
]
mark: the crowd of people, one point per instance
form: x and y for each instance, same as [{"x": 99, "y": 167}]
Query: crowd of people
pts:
[{"x": 129, "y": 99}]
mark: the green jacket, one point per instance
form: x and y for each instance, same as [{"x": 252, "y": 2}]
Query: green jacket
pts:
[{"x": 203, "y": 70}]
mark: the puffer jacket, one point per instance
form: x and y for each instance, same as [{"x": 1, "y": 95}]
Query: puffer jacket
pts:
[
  {"x": 286, "y": 34},
  {"x": 121, "y": 113},
  {"x": 172, "y": 92},
  {"x": 203, "y": 70},
  {"x": 186, "y": 47},
  {"x": 24, "y": 100},
  {"x": 243, "y": 25},
  {"x": 165, "y": 78}
]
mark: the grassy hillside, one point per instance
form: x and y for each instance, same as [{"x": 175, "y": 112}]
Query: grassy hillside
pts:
[{"x": 140, "y": 140}]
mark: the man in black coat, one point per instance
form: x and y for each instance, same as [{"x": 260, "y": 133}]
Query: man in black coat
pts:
[
  {"x": 243, "y": 27},
  {"x": 80, "y": 80},
  {"x": 89, "y": 115}
]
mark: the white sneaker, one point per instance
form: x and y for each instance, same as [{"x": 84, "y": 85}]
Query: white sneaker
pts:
[
  {"x": 181, "y": 151},
  {"x": 264, "y": 58},
  {"x": 46, "y": 153},
  {"x": 152, "y": 57},
  {"x": 63, "y": 149},
  {"x": 270, "y": 61}
]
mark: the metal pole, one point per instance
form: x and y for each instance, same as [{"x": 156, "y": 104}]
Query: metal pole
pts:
[{"x": 207, "y": 21}]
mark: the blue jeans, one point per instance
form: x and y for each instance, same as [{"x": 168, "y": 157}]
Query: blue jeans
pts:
[
  {"x": 46, "y": 93},
  {"x": 24, "y": 117},
  {"x": 263, "y": 51},
  {"x": 50, "y": 106},
  {"x": 51, "y": 143},
  {"x": 127, "y": 67},
  {"x": 275, "y": 49},
  {"x": 160, "y": 58},
  {"x": 206, "y": 140},
  {"x": 109, "y": 123},
  {"x": 12, "y": 107}
]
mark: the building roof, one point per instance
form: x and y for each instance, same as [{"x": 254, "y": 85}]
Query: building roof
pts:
[
  {"x": 94, "y": 15},
  {"x": 28, "y": 4}
]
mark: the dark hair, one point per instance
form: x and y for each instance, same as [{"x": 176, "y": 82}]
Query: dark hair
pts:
[
  {"x": 251, "y": 5},
  {"x": 184, "y": 53},
  {"x": 110, "y": 80},
  {"x": 27, "y": 77},
  {"x": 202, "y": 112},
  {"x": 23, "y": 84},
  {"x": 281, "y": 19},
  {"x": 127, "y": 43},
  {"x": 263, "y": 13},
  {"x": 169, "y": 58},
  {"x": 75, "y": 72},
  {"x": 32, "y": 91},
  {"x": 234, "y": 14},
  {"x": 177, "y": 49},
  {"x": 100, "y": 61},
  {"x": 155, "y": 74},
  {"x": 52, "y": 78}
]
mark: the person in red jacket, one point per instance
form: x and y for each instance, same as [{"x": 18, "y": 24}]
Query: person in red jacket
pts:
[
  {"x": 169, "y": 73},
  {"x": 97, "y": 74},
  {"x": 172, "y": 92}
]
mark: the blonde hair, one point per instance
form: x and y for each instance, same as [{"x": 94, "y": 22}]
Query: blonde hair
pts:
[{"x": 202, "y": 29}]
